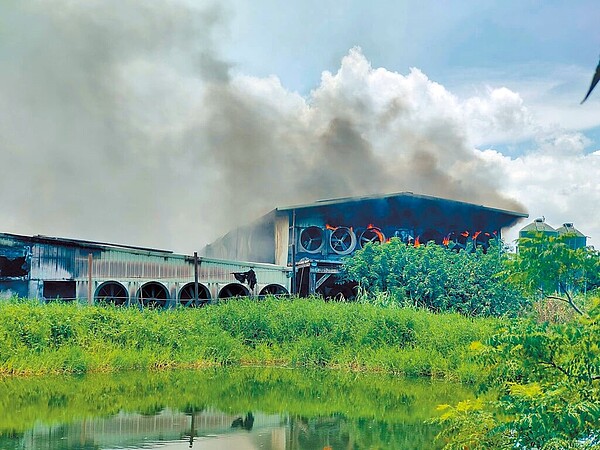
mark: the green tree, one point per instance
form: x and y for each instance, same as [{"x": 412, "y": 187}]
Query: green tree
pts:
[
  {"x": 548, "y": 394},
  {"x": 547, "y": 267},
  {"x": 436, "y": 278}
]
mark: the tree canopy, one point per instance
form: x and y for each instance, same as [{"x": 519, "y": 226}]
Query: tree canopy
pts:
[{"x": 471, "y": 282}]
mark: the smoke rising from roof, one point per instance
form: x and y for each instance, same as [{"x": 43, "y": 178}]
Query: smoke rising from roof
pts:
[{"x": 120, "y": 121}]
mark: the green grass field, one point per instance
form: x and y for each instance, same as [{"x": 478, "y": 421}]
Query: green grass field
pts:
[{"x": 71, "y": 338}]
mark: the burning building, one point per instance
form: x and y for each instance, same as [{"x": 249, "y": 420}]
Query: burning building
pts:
[{"x": 314, "y": 238}]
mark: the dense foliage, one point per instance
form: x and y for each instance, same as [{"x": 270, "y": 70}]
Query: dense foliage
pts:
[
  {"x": 38, "y": 338},
  {"x": 548, "y": 376},
  {"x": 436, "y": 278},
  {"x": 547, "y": 267}
]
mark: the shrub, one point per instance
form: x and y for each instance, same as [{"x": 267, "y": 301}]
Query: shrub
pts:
[{"x": 436, "y": 278}]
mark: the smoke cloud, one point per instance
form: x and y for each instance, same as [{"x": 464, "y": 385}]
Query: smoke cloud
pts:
[{"x": 119, "y": 121}]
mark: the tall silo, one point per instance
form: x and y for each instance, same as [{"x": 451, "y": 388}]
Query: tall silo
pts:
[
  {"x": 538, "y": 226},
  {"x": 572, "y": 236}
]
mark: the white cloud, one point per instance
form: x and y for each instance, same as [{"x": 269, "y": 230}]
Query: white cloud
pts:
[
  {"x": 556, "y": 182},
  {"x": 499, "y": 116}
]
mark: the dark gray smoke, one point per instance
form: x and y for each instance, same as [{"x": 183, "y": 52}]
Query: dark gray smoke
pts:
[{"x": 119, "y": 121}]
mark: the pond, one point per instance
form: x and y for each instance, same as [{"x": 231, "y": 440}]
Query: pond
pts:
[{"x": 232, "y": 408}]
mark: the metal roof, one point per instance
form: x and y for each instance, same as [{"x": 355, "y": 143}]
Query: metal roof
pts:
[
  {"x": 82, "y": 243},
  {"x": 134, "y": 249},
  {"x": 538, "y": 225},
  {"x": 568, "y": 228},
  {"x": 397, "y": 195}
]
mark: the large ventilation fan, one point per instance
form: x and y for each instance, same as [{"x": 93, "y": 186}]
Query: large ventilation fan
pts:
[
  {"x": 371, "y": 235},
  {"x": 311, "y": 239},
  {"x": 342, "y": 240}
]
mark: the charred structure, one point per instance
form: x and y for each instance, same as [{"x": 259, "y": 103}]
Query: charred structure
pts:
[{"x": 314, "y": 238}]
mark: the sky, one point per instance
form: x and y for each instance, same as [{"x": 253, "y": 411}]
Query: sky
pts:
[{"x": 167, "y": 123}]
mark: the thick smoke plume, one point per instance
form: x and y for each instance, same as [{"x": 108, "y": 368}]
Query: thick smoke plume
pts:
[{"x": 119, "y": 121}]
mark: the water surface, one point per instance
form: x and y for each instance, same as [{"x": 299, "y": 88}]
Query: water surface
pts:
[{"x": 240, "y": 408}]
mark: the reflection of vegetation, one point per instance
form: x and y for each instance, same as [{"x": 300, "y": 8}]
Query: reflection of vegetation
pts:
[
  {"x": 381, "y": 400},
  {"x": 57, "y": 338}
]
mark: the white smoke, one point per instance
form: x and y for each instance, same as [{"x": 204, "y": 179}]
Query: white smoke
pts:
[{"x": 119, "y": 121}]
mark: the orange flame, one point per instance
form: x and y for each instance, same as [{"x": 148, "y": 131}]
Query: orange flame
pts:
[
  {"x": 417, "y": 243},
  {"x": 477, "y": 233},
  {"x": 377, "y": 231},
  {"x": 446, "y": 240},
  {"x": 329, "y": 227},
  {"x": 465, "y": 234}
]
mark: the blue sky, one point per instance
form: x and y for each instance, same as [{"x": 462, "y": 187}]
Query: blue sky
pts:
[
  {"x": 515, "y": 39},
  {"x": 129, "y": 120}
]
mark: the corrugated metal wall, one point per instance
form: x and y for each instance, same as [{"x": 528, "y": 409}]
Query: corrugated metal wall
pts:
[{"x": 58, "y": 261}]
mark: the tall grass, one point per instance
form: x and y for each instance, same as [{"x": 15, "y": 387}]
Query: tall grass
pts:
[{"x": 60, "y": 338}]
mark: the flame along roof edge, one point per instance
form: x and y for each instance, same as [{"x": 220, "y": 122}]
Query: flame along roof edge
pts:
[{"x": 340, "y": 200}]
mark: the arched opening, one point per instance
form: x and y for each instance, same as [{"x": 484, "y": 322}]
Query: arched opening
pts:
[
  {"x": 111, "y": 293},
  {"x": 461, "y": 240},
  {"x": 273, "y": 289},
  {"x": 234, "y": 290},
  {"x": 153, "y": 295},
  {"x": 187, "y": 295}
]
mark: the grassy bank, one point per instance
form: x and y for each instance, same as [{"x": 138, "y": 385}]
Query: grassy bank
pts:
[{"x": 57, "y": 338}]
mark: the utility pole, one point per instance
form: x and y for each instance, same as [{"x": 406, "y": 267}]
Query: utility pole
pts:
[
  {"x": 90, "y": 290},
  {"x": 294, "y": 290},
  {"x": 196, "y": 279}
]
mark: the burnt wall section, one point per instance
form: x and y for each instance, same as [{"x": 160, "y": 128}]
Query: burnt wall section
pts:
[
  {"x": 15, "y": 258},
  {"x": 15, "y": 265},
  {"x": 332, "y": 229},
  {"x": 53, "y": 268}
]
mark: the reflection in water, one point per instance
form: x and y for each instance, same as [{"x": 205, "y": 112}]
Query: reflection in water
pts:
[
  {"x": 221, "y": 409},
  {"x": 246, "y": 423}
]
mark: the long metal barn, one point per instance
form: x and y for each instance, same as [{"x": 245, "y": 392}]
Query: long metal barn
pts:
[
  {"x": 47, "y": 268},
  {"x": 314, "y": 238}
]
